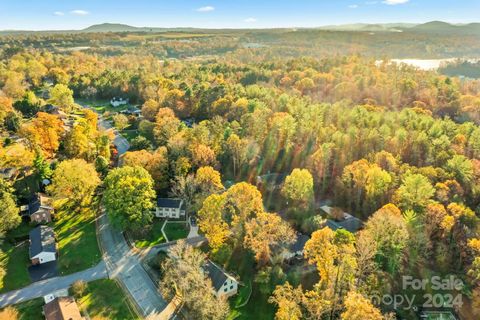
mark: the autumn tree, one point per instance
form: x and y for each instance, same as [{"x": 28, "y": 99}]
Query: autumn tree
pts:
[
  {"x": 129, "y": 197},
  {"x": 243, "y": 202},
  {"x": 298, "y": 187},
  {"x": 75, "y": 180},
  {"x": 389, "y": 231},
  {"x": 414, "y": 193},
  {"x": 156, "y": 163},
  {"x": 9, "y": 313},
  {"x": 357, "y": 307},
  {"x": 77, "y": 144},
  {"x": 365, "y": 186},
  {"x": 166, "y": 125},
  {"x": 120, "y": 121},
  {"x": 184, "y": 277},
  {"x": 267, "y": 234},
  {"x": 62, "y": 96},
  {"x": 9, "y": 211},
  {"x": 211, "y": 221},
  {"x": 333, "y": 253},
  {"x": 288, "y": 300},
  {"x": 44, "y": 131}
]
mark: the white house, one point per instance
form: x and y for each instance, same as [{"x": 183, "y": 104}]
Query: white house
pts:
[
  {"x": 170, "y": 208},
  {"x": 116, "y": 102},
  {"x": 43, "y": 247},
  {"x": 223, "y": 283}
]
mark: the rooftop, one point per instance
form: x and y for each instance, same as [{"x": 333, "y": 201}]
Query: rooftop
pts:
[
  {"x": 42, "y": 239},
  {"x": 169, "y": 203},
  {"x": 216, "y": 274},
  {"x": 299, "y": 244},
  {"x": 62, "y": 308}
]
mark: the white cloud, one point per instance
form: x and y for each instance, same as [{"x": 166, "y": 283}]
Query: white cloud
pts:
[
  {"x": 395, "y": 2},
  {"x": 250, "y": 20},
  {"x": 353, "y": 6},
  {"x": 59, "y": 13},
  {"x": 79, "y": 12},
  {"x": 206, "y": 9}
]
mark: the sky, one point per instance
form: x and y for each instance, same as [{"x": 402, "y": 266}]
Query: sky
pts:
[{"x": 75, "y": 14}]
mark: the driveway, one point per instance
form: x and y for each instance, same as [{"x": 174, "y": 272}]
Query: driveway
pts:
[
  {"x": 43, "y": 271},
  {"x": 126, "y": 267},
  {"x": 42, "y": 288}
]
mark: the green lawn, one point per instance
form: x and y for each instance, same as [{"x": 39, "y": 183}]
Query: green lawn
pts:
[
  {"x": 242, "y": 262},
  {"x": 14, "y": 260},
  {"x": 101, "y": 105},
  {"x": 129, "y": 134},
  {"x": 176, "y": 230},
  {"x": 151, "y": 237},
  {"x": 77, "y": 240},
  {"x": 30, "y": 310},
  {"x": 105, "y": 299}
]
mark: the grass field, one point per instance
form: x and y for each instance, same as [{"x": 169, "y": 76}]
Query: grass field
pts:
[
  {"x": 30, "y": 310},
  {"x": 104, "y": 299},
  {"x": 150, "y": 238},
  {"x": 77, "y": 240},
  {"x": 242, "y": 262},
  {"x": 176, "y": 230},
  {"x": 14, "y": 260},
  {"x": 101, "y": 106},
  {"x": 129, "y": 134}
]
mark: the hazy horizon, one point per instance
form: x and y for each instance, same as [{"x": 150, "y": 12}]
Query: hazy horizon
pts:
[{"x": 249, "y": 14}]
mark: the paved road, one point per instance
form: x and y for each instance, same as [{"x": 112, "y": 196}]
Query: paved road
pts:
[
  {"x": 123, "y": 264},
  {"x": 119, "y": 141},
  {"x": 42, "y": 288}
]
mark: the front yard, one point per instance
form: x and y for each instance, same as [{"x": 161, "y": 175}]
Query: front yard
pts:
[
  {"x": 30, "y": 310},
  {"x": 14, "y": 261},
  {"x": 242, "y": 262},
  {"x": 150, "y": 237},
  {"x": 104, "y": 299},
  {"x": 176, "y": 230},
  {"x": 77, "y": 240}
]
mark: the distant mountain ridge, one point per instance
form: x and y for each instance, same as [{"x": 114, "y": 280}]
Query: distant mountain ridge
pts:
[
  {"x": 443, "y": 27},
  {"x": 429, "y": 27}
]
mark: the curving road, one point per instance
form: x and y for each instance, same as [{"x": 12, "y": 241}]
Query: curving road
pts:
[{"x": 124, "y": 265}]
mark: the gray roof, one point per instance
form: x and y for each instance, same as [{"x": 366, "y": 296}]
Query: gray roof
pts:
[
  {"x": 168, "y": 203},
  {"x": 216, "y": 274},
  {"x": 299, "y": 244},
  {"x": 34, "y": 204},
  {"x": 351, "y": 224},
  {"x": 42, "y": 239}
]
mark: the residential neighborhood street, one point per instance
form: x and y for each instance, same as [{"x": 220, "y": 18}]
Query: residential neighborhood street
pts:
[
  {"x": 126, "y": 267},
  {"x": 42, "y": 288},
  {"x": 119, "y": 141}
]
